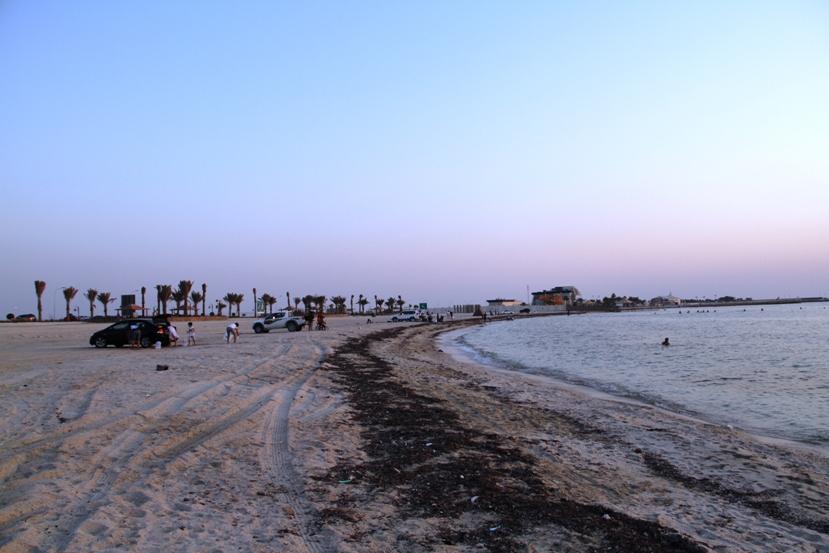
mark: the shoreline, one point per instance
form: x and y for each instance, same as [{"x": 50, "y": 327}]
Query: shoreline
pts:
[
  {"x": 362, "y": 438},
  {"x": 461, "y": 355},
  {"x": 703, "y": 472}
]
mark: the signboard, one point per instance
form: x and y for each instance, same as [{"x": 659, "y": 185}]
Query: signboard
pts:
[
  {"x": 424, "y": 306},
  {"x": 260, "y": 306}
]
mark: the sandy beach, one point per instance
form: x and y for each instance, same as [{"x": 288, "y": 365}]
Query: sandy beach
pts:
[{"x": 366, "y": 438}]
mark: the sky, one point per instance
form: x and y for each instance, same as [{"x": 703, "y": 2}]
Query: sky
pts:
[{"x": 448, "y": 152}]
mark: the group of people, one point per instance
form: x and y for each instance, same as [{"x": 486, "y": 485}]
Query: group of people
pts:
[
  {"x": 191, "y": 334},
  {"x": 231, "y": 334},
  {"x": 309, "y": 320}
]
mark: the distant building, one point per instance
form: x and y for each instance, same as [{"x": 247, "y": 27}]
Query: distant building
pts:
[
  {"x": 665, "y": 301},
  {"x": 560, "y": 295},
  {"x": 501, "y": 302}
]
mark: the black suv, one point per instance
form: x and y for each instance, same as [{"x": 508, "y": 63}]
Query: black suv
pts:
[{"x": 118, "y": 335}]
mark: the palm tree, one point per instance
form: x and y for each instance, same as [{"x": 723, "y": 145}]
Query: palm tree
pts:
[
  {"x": 390, "y": 304},
  {"x": 400, "y": 303},
  {"x": 40, "y": 286},
  {"x": 307, "y": 301},
  {"x": 178, "y": 297},
  {"x": 254, "y": 303},
  {"x": 320, "y": 301},
  {"x": 379, "y": 303},
  {"x": 203, "y": 299},
  {"x": 69, "y": 294},
  {"x": 184, "y": 287},
  {"x": 91, "y": 294},
  {"x": 143, "y": 292},
  {"x": 296, "y": 303},
  {"x": 362, "y": 302},
  {"x": 339, "y": 304},
  {"x": 104, "y": 298},
  {"x": 352, "y": 304},
  {"x": 229, "y": 298},
  {"x": 197, "y": 299},
  {"x": 266, "y": 298},
  {"x": 232, "y": 299},
  {"x": 269, "y": 300},
  {"x": 164, "y": 294},
  {"x": 289, "y": 301},
  {"x": 158, "y": 298},
  {"x": 219, "y": 307}
]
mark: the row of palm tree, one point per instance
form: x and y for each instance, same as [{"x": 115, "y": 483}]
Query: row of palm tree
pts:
[
  {"x": 184, "y": 295},
  {"x": 232, "y": 298},
  {"x": 92, "y": 294}
]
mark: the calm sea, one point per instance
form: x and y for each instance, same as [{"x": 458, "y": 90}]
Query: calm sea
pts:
[{"x": 763, "y": 369}]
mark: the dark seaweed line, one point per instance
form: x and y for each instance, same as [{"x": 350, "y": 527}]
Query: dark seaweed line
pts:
[
  {"x": 419, "y": 447},
  {"x": 664, "y": 469}
]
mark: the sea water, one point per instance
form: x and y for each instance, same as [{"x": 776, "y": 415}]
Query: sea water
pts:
[{"x": 765, "y": 369}]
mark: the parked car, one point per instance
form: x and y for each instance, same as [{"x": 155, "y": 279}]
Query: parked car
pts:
[
  {"x": 525, "y": 310},
  {"x": 407, "y": 315},
  {"x": 280, "y": 319},
  {"x": 27, "y": 318},
  {"x": 118, "y": 335}
]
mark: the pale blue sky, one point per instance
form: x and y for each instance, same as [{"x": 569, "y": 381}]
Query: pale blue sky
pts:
[{"x": 446, "y": 151}]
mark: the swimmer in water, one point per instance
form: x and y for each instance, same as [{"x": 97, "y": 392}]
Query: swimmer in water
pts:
[{"x": 666, "y": 342}]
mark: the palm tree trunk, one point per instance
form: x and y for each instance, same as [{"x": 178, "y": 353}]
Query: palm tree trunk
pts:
[
  {"x": 67, "y": 309},
  {"x": 39, "y": 308},
  {"x": 91, "y": 308},
  {"x": 203, "y": 300}
]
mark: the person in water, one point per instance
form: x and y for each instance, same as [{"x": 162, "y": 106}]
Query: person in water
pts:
[{"x": 666, "y": 342}]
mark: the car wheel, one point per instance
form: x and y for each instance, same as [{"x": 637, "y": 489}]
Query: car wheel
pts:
[
  {"x": 100, "y": 342},
  {"x": 292, "y": 326},
  {"x": 258, "y": 328},
  {"x": 145, "y": 342}
]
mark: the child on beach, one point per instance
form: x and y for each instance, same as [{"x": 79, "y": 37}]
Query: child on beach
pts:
[
  {"x": 191, "y": 335},
  {"x": 173, "y": 335}
]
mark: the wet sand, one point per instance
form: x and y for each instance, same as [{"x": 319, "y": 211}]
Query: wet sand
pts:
[{"x": 366, "y": 438}]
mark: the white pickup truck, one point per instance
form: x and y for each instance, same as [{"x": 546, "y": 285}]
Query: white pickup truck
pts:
[{"x": 280, "y": 319}]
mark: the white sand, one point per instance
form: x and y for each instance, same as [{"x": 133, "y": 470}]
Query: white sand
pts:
[{"x": 229, "y": 449}]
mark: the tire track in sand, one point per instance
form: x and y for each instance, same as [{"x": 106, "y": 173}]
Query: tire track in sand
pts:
[
  {"x": 126, "y": 451},
  {"x": 277, "y": 461},
  {"x": 169, "y": 404}
]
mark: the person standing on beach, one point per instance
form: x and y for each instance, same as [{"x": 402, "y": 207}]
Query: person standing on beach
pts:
[
  {"x": 309, "y": 319},
  {"x": 191, "y": 335},
  {"x": 135, "y": 335}
]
